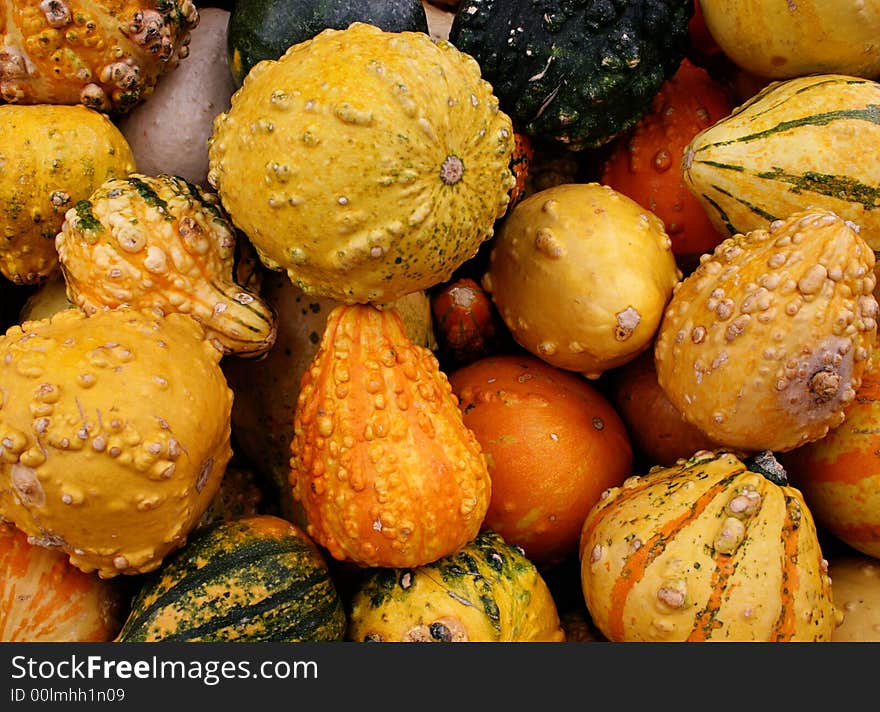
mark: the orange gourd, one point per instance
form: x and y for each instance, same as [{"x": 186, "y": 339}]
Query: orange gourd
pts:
[
  {"x": 385, "y": 470},
  {"x": 44, "y": 598},
  {"x": 646, "y": 164},
  {"x": 553, "y": 443},
  {"x": 658, "y": 430},
  {"x": 467, "y": 326}
]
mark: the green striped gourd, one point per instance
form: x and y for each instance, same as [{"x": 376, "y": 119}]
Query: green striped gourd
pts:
[
  {"x": 799, "y": 143},
  {"x": 487, "y": 591},
  {"x": 257, "y": 578},
  {"x": 161, "y": 242},
  {"x": 714, "y": 548}
]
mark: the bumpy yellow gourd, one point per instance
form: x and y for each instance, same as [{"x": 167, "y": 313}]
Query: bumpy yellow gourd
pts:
[
  {"x": 160, "y": 242},
  {"x": 114, "y": 434},
  {"x": 105, "y": 54},
  {"x": 765, "y": 343},
  {"x": 51, "y": 157},
  {"x": 367, "y": 164}
]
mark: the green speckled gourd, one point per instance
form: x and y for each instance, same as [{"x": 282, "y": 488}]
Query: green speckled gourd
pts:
[
  {"x": 257, "y": 578},
  {"x": 50, "y": 158},
  {"x": 715, "y": 548},
  {"x": 161, "y": 242},
  {"x": 574, "y": 73},
  {"x": 367, "y": 164},
  {"x": 487, "y": 592}
]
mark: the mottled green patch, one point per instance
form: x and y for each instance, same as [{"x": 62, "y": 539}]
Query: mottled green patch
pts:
[
  {"x": 833, "y": 186},
  {"x": 149, "y": 196},
  {"x": 86, "y": 219}
]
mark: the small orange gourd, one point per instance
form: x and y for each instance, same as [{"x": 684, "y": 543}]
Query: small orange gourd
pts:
[{"x": 386, "y": 471}]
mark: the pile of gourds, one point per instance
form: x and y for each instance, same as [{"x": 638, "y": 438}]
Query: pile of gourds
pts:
[{"x": 361, "y": 324}]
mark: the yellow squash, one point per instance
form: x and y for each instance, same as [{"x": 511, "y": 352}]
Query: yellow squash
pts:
[
  {"x": 114, "y": 434},
  {"x": 51, "y": 157},
  {"x": 366, "y": 164}
]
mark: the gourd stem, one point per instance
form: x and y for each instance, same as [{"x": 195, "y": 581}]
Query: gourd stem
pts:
[{"x": 766, "y": 464}]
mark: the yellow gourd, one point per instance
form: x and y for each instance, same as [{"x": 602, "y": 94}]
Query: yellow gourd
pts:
[
  {"x": 366, "y": 164},
  {"x": 115, "y": 432},
  {"x": 52, "y": 157}
]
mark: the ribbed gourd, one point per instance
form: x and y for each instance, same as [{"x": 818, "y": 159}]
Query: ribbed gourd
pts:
[
  {"x": 254, "y": 579},
  {"x": 386, "y": 471},
  {"x": 160, "y": 242},
  {"x": 764, "y": 345},
  {"x": 789, "y": 147},
  {"x": 105, "y": 54},
  {"x": 51, "y": 157},
  {"x": 366, "y": 164},
  {"x": 486, "y": 592},
  {"x": 114, "y": 434},
  {"x": 44, "y": 599},
  {"x": 715, "y": 548}
]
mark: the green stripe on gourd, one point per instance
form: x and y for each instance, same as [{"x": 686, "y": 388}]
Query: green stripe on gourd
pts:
[
  {"x": 257, "y": 578},
  {"x": 795, "y": 144}
]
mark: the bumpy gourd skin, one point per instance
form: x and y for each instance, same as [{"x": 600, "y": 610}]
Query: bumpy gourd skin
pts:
[
  {"x": 160, "y": 242},
  {"x": 765, "y": 343},
  {"x": 105, "y": 54},
  {"x": 381, "y": 461},
  {"x": 367, "y": 164},
  {"x": 50, "y": 158},
  {"x": 706, "y": 550},
  {"x": 575, "y": 73},
  {"x": 486, "y": 592},
  {"x": 114, "y": 434}
]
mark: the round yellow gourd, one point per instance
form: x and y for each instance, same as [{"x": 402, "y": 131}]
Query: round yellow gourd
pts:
[
  {"x": 114, "y": 434},
  {"x": 581, "y": 273},
  {"x": 779, "y": 40},
  {"x": 367, "y": 164},
  {"x": 51, "y": 157}
]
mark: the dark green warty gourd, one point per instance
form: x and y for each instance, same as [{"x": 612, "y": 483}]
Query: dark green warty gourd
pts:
[{"x": 574, "y": 73}]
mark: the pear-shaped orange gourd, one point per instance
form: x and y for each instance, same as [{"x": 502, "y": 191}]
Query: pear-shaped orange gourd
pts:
[{"x": 386, "y": 471}]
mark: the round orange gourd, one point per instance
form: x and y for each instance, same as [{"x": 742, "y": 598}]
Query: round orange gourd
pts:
[
  {"x": 45, "y": 599},
  {"x": 656, "y": 427},
  {"x": 385, "y": 470},
  {"x": 553, "y": 444},
  {"x": 839, "y": 474},
  {"x": 646, "y": 164}
]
